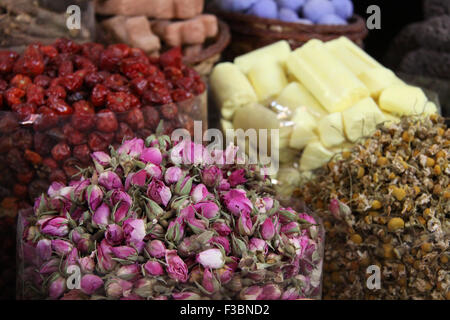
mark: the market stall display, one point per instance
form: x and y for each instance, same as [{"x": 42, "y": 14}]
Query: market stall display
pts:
[
  {"x": 158, "y": 25},
  {"x": 323, "y": 97},
  {"x": 62, "y": 102},
  {"x": 155, "y": 220},
  {"x": 386, "y": 204}
]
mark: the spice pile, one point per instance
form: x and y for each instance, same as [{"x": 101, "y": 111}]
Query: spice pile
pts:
[
  {"x": 389, "y": 205},
  {"x": 148, "y": 224}
]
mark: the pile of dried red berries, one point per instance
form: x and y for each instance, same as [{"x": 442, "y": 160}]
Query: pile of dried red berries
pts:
[{"x": 61, "y": 102}]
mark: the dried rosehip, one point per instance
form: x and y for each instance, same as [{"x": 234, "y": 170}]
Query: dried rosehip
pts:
[
  {"x": 38, "y": 187},
  {"x": 14, "y": 96},
  {"x": 110, "y": 58},
  {"x": 99, "y": 94},
  {"x": 106, "y": 121},
  {"x": 50, "y": 163},
  {"x": 65, "y": 68},
  {"x": 8, "y": 122},
  {"x": 124, "y": 133},
  {"x": 98, "y": 141},
  {"x": 118, "y": 101},
  {"x": 33, "y": 157},
  {"x": 73, "y": 82},
  {"x": 25, "y": 177},
  {"x": 93, "y": 78},
  {"x": 135, "y": 119},
  {"x": 82, "y": 153},
  {"x": 185, "y": 83},
  {"x": 133, "y": 68},
  {"x": 6, "y": 143},
  {"x": 23, "y": 139},
  {"x": 35, "y": 94},
  {"x": 92, "y": 51},
  {"x": 151, "y": 117},
  {"x": 67, "y": 46},
  {"x": 199, "y": 87},
  {"x": 42, "y": 81},
  {"x": 25, "y": 111},
  {"x": 77, "y": 96},
  {"x": 169, "y": 111},
  {"x": 60, "y": 107},
  {"x": 56, "y": 91},
  {"x": 31, "y": 63},
  {"x": 73, "y": 136},
  {"x": 57, "y": 175},
  {"x": 16, "y": 161},
  {"x": 20, "y": 81},
  {"x": 70, "y": 167},
  {"x": 49, "y": 51},
  {"x": 139, "y": 85},
  {"x": 84, "y": 63},
  {"x": 42, "y": 143},
  {"x": 7, "y": 60},
  {"x": 61, "y": 151},
  {"x": 171, "y": 58},
  {"x": 157, "y": 98},
  {"x": 20, "y": 190},
  {"x": 180, "y": 95},
  {"x": 83, "y": 118}
]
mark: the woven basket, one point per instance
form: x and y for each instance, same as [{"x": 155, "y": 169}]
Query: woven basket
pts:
[
  {"x": 251, "y": 32},
  {"x": 211, "y": 52}
]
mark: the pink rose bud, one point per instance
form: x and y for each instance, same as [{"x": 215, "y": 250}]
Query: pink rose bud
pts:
[
  {"x": 210, "y": 282},
  {"x": 134, "y": 230},
  {"x": 307, "y": 218},
  {"x": 139, "y": 178},
  {"x": 94, "y": 196},
  {"x": 185, "y": 296},
  {"x": 156, "y": 249},
  {"x": 85, "y": 245},
  {"x": 133, "y": 147},
  {"x": 258, "y": 245},
  {"x": 57, "y": 226},
  {"x": 175, "y": 231},
  {"x": 44, "y": 249},
  {"x": 79, "y": 186},
  {"x": 87, "y": 264},
  {"x": 152, "y": 155},
  {"x": 290, "y": 294},
  {"x": 209, "y": 210},
  {"x": 121, "y": 212},
  {"x": 104, "y": 257},
  {"x": 159, "y": 192},
  {"x": 251, "y": 293},
  {"x": 267, "y": 229},
  {"x": 211, "y": 258},
  {"x": 101, "y": 215},
  {"x": 269, "y": 203},
  {"x": 184, "y": 186},
  {"x": 55, "y": 189},
  {"x": 154, "y": 268},
  {"x": 73, "y": 295},
  {"x": 225, "y": 274},
  {"x": 153, "y": 171},
  {"x": 176, "y": 268},
  {"x": 211, "y": 176},
  {"x": 199, "y": 193},
  {"x": 222, "y": 228},
  {"x": 125, "y": 253},
  {"x": 237, "y": 177},
  {"x": 172, "y": 175},
  {"x": 291, "y": 228},
  {"x": 334, "y": 208},
  {"x": 245, "y": 224},
  {"x": 57, "y": 286},
  {"x": 271, "y": 292},
  {"x": 114, "y": 234},
  {"x": 223, "y": 242},
  {"x": 101, "y": 157},
  {"x": 129, "y": 272},
  {"x": 110, "y": 180},
  {"x": 50, "y": 266},
  {"x": 196, "y": 225},
  {"x": 61, "y": 247},
  {"x": 91, "y": 283},
  {"x": 237, "y": 202},
  {"x": 116, "y": 288}
]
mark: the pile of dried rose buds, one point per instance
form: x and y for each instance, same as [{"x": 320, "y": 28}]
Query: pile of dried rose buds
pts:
[{"x": 156, "y": 220}]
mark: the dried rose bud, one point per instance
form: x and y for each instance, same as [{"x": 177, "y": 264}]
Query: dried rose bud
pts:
[
  {"x": 144, "y": 287},
  {"x": 267, "y": 229},
  {"x": 101, "y": 158},
  {"x": 133, "y": 148},
  {"x": 114, "y": 234},
  {"x": 291, "y": 228},
  {"x": 237, "y": 177},
  {"x": 223, "y": 242},
  {"x": 116, "y": 288},
  {"x": 176, "y": 268},
  {"x": 237, "y": 202},
  {"x": 139, "y": 178},
  {"x": 125, "y": 253},
  {"x": 101, "y": 215},
  {"x": 159, "y": 192},
  {"x": 199, "y": 193},
  {"x": 85, "y": 245},
  {"x": 172, "y": 175},
  {"x": 94, "y": 196},
  {"x": 208, "y": 209},
  {"x": 129, "y": 272},
  {"x": 175, "y": 231},
  {"x": 134, "y": 231},
  {"x": 210, "y": 282},
  {"x": 105, "y": 263},
  {"x": 211, "y": 176},
  {"x": 57, "y": 286},
  {"x": 61, "y": 247},
  {"x": 258, "y": 245},
  {"x": 185, "y": 296},
  {"x": 222, "y": 228},
  {"x": 152, "y": 155},
  {"x": 91, "y": 283},
  {"x": 211, "y": 258},
  {"x": 290, "y": 294},
  {"x": 110, "y": 180},
  {"x": 57, "y": 226},
  {"x": 271, "y": 292},
  {"x": 156, "y": 249},
  {"x": 153, "y": 171},
  {"x": 235, "y": 284},
  {"x": 44, "y": 249},
  {"x": 153, "y": 268},
  {"x": 251, "y": 293},
  {"x": 245, "y": 224},
  {"x": 87, "y": 264}
]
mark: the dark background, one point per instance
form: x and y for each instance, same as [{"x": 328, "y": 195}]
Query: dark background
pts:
[{"x": 395, "y": 14}]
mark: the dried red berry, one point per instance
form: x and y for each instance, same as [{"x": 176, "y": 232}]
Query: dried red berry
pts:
[
  {"x": 83, "y": 118},
  {"x": 20, "y": 190},
  {"x": 42, "y": 143},
  {"x": 33, "y": 157},
  {"x": 70, "y": 167},
  {"x": 60, "y": 107},
  {"x": 135, "y": 119},
  {"x": 98, "y": 142},
  {"x": 169, "y": 111},
  {"x": 20, "y": 81},
  {"x": 65, "y": 68},
  {"x": 171, "y": 58},
  {"x": 25, "y": 111},
  {"x": 67, "y": 46},
  {"x": 7, "y": 60},
  {"x": 151, "y": 117},
  {"x": 8, "y": 122},
  {"x": 106, "y": 121},
  {"x": 25, "y": 177},
  {"x": 61, "y": 151},
  {"x": 118, "y": 101},
  {"x": 124, "y": 133},
  {"x": 180, "y": 95},
  {"x": 58, "y": 175},
  {"x": 50, "y": 163},
  {"x": 99, "y": 94},
  {"x": 82, "y": 153},
  {"x": 93, "y": 78},
  {"x": 56, "y": 91},
  {"x": 73, "y": 136},
  {"x": 139, "y": 85},
  {"x": 35, "y": 94},
  {"x": 14, "y": 96}
]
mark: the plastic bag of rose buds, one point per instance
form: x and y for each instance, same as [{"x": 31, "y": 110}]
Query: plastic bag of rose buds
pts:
[{"x": 160, "y": 220}]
